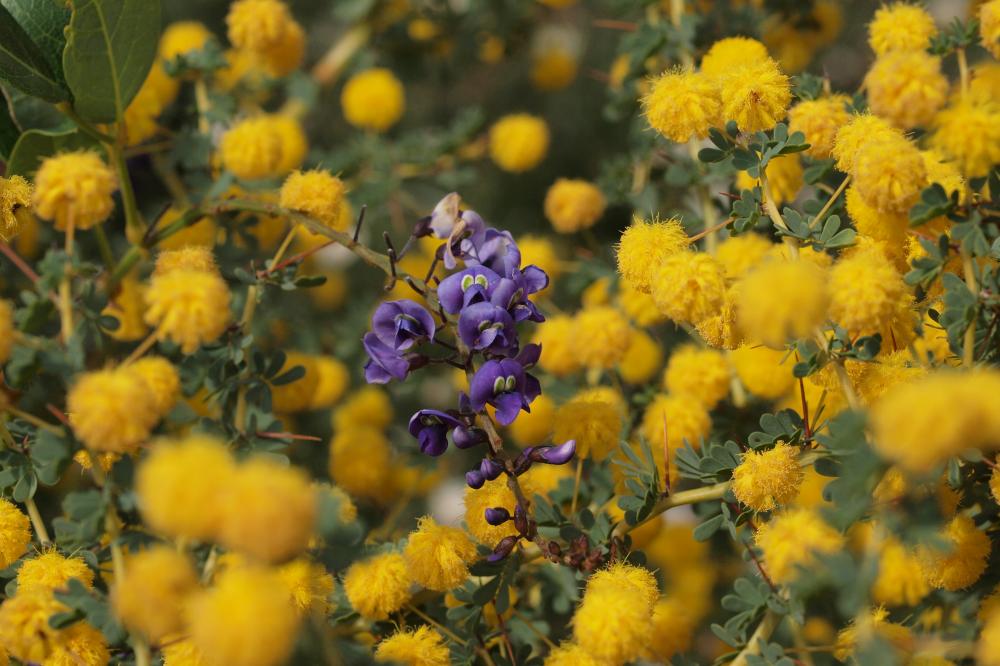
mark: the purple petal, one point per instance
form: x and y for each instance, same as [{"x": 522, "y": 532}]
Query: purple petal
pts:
[{"x": 508, "y": 405}]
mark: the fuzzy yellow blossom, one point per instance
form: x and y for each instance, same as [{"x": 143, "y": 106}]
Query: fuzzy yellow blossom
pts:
[
  {"x": 15, "y": 533},
  {"x": 518, "y": 142},
  {"x": 593, "y": 422},
  {"x": 614, "y": 620},
  {"x": 540, "y": 251},
  {"x": 182, "y": 37},
  {"x": 359, "y": 461},
  {"x": 557, "y": 336},
  {"x": 889, "y": 174},
  {"x": 857, "y": 133},
  {"x": 572, "y": 205},
  {"x": 193, "y": 258},
  {"x": 989, "y": 26},
  {"x": 819, "y": 120},
  {"x": 644, "y": 246},
  {"x": 284, "y": 57},
  {"x": 732, "y": 52},
  {"x": 674, "y": 627},
  {"x": 738, "y": 254},
  {"x": 900, "y": 580},
  {"x": 641, "y": 361},
  {"x": 689, "y": 287},
  {"x": 417, "y": 647},
  {"x": 150, "y": 597},
  {"x": 253, "y": 148},
  {"x": 755, "y": 95},
  {"x": 782, "y": 301},
  {"x": 332, "y": 380},
  {"x": 901, "y": 27},
  {"x": 246, "y": 617},
  {"x": 75, "y": 188},
  {"x": 864, "y": 291},
  {"x": 26, "y": 634},
  {"x": 906, "y": 87},
  {"x": 378, "y": 586},
  {"x": 765, "y": 372},
  {"x": 309, "y": 584},
  {"x": 602, "y": 334},
  {"x": 180, "y": 485},
  {"x": 111, "y": 410},
  {"x": 181, "y": 653},
  {"x": 967, "y": 131},
  {"x": 553, "y": 69},
  {"x": 162, "y": 381},
  {"x": 367, "y": 406},
  {"x": 885, "y": 226},
  {"x": 493, "y": 494},
  {"x": 188, "y": 307},
  {"x": 702, "y": 374},
  {"x": 570, "y": 654},
  {"x": 373, "y": 100},
  {"x": 897, "y": 635},
  {"x": 534, "y": 427},
  {"x": 638, "y": 305},
  {"x": 685, "y": 420},
  {"x": 963, "y": 560},
  {"x": 438, "y": 556},
  {"x": 52, "y": 570},
  {"x": 682, "y": 105},
  {"x": 15, "y": 201},
  {"x": 765, "y": 480},
  {"x": 257, "y": 25},
  {"x": 792, "y": 539},
  {"x": 318, "y": 194},
  {"x": 268, "y": 511},
  {"x": 719, "y": 330},
  {"x": 784, "y": 179}
]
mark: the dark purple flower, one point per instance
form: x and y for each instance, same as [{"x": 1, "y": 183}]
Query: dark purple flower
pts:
[
  {"x": 401, "y": 324},
  {"x": 464, "y": 288},
  {"x": 505, "y": 385},
  {"x": 491, "y": 248},
  {"x": 497, "y": 516},
  {"x": 490, "y": 469},
  {"x": 555, "y": 455},
  {"x": 487, "y": 327},
  {"x": 475, "y": 479},
  {"x": 466, "y": 437},
  {"x": 431, "y": 428},
  {"x": 384, "y": 362}
]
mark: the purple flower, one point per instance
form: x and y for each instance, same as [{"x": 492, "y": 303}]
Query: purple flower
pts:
[
  {"x": 385, "y": 363},
  {"x": 466, "y": 437},
  {"x": 512, "y": 293},
  {"x": 431, "y": 428},
  {"x": 490, "y": 469},
  {"x": 497, "y": 515},
  {"x": 401, "y": 324},
  {"x": 487, "y": 327},
  {"x": 491, "y": 248},
  {"x": 475, "y": 479},
  {"x": 473, "y": 285},
  {"x": 505, "y": 385}
]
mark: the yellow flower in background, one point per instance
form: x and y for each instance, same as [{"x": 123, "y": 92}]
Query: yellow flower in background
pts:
[
  {"x": 417, "y": 647},
  {"x": 592, "y": 421},
  {"x": 253, "y": 148},
  {"x": 819, "y": 120},
  {"x": 439, "y": 556},
  {"x": 901, "y": 27},
  {"x": 783, "y": 300},
  {"x": 784, "y": 179},
  {"x": 188, "y": 258},
  {"x": 989, "y": 26},
  {"x": 641, "y": 361},
  {"x": 309, "y": 585},
  {"x": 602, "y": 336},
  {"x": 188, "y": 307},
  {"x": 765, "y": 372},
  {"x": 15, "y": 204},
  {"x": 689, "y": 287},
  {"x": 730, "y": 53},
  {"x": 684, "y": 420},
  {"x": 683, "y": 105},
  {"x": 366, "y": 406},
  {"x": 112, "y": 410},
  {"x": 518, "y": 142},
  {"x": 791, "y": 540},
  {"x": 150, "y": 597},
  {"x": 857, "y": 133},
  {"x": 864, "y": 292},
  {"x": 906, "y": 88},
  {"x": 378, "y": 586},
  {"x": 963, "y": 562},
  {"x": 535, "y": 427},
  {"x": 765, "y": 480},
  {"x": 15, "y": 533},
  {"x": 556, "y": 335},
  {"x": 644, "y": 246},
  {"x": 967, "y": 131},
  {"x": 257, "y": 25},
  {"x": 74, "y": 188},
  {"x": 359, "y": 461},
  {"x": 572, "y": 205},
  {"x": 203, "y": 232},
  {"x": 373, "y": 100},
  {"x": 702, "y": 374}
]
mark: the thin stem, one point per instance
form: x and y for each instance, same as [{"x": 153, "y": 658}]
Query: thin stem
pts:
[
  {"x": 66, "y": 285},
  {"x": 143, "y": 347},
  {"x": 763, "y": 632},
  {"x": 36, "y": 521},
  {"x": 133, "y": 219},
  {"x": 829, "y": 202},
  {"x": 775, "y": 215},
  {"x": 711, "y": 230},
  {"x": 434, "y": 623},
  {"x": 18, "y": 262},
  {"x": 576, "y": 484},
  {"x": 84, "y": 126},
  {"x": 681, "y": 498},
  {"x": 963, "y": 71},
  {"x": 969, "y": 342},
  {"x": 33, "y": 420},
  {"x": 329, "y": 67},
  {"x": 104, "y": 247},
  {"x": 289, "y": 237}
]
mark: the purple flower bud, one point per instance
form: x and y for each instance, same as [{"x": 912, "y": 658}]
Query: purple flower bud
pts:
[
  {"x": 475, "y": 479},
  {"x": 465, "y": 437},
  {"x": 403, "y": 323},
  {"x": 431, "y": 427},
  {"x": 555, "y": 455},
  {"x": 490, "y": 469},
  {"x": 487, "y": 327},
  {"x": 497, "y": 515},
  {"x": 503, "y": 549}
]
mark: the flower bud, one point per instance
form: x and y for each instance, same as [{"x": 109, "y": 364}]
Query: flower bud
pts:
[
  {"x": 466, "y": 438},
  {"x": 490, "y": 469},
  {"x": 555, "y": 455},
  {"x": 475, "y": 479},
  {"x": 503, "y": 549},
  {"x": 497, "y": 515}
]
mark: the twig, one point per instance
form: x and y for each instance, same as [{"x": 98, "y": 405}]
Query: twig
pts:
[
  {"x": 763, "y": 632},
  {"x": 361, "y": 221}
]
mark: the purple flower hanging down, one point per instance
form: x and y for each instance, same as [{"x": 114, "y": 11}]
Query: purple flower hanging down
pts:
[
  {"x": 487, "y": 327},
  {"x": 396, "y": 327},
  {"x": 431, "y": 428},
  {"x": 505, "y": 385},
  {"x": 473, "y": 285}
]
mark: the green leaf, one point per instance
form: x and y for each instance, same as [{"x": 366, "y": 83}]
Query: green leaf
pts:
[
  {"x": 110, "y": 46},
  {"x": 9, "y": 131},
  {"x": 45, "y": 22},
  {"x": 23, "y": 65},
  {"x": 36, "y": 145}
]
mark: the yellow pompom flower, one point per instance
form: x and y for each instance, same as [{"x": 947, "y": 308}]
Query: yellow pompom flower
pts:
[
  {"x": 359, "y": 461},
  {"x": 188, "y": 258},
  {"x": 534, "y": 427},
  {"x": 253, "y": 148},
  {"x": 864, "y": 290},
  {"x": 417, "y": 647},
  {"x": 570, "y": 654},
  {"x": 540, "y": 251},
  {"x": 889, "y": 174},
  {"x": 784, "y": 178},
  {"x": 765, "y": 480},
  {"x": 75, "y": 188},
  {"x": 922, "y": 423},
  {"x": 308, "y": 584},
  {"x": 373, "y": 100},
  {"x": 641, "y": 361},
  {"x": 689, "y": 287},
  {"x": 246, "y": 618},
  {"x": 367, "y": 406},
  {"x": 900, "y": 580},
  {"x": 601, "y": 336},
  {"x": 898, "y": 636},
  {"x": 518, "y": 142},
  {"x": 765, "y": 372},
  {"x": 180, "y": 485},
  {"x": 739, "y": 254},
  {"x": 268, "y": 511},
  {"x": 378, "y": 586},
  {"x": 962, "y": 562},
  {"x": 150, "y": 598},
  {"x": 967, "y": 132},
  {"x": 792, "y": 539},
  {"x": 702, "y": 374},
  {"x": 644, "y": 246},
  {"x": 557, "y": 336},
  {"x": 682, "y": 105},
  {"x": 730, "y": 53},
  {"x": 782, "y": 301},
  {"x": 885, "y": 226},
  {"x": 614, "y": 621},
  {"x": 318, "y": 194},
  {"x": 906, "y": 87},
  {"x": 7, "y": 330},
  {"x": 52, "y": 571},
  {"x": 674, "y": 627},
  {"x": 901, "y": 27},
  {"x": 111, "y": 410},
  {"x": 188, "y": 307},
  {"x": 989, "y": 26},
  {"x": 756, "y": 95},
  {"x": 162, "y": 381},
  {"x": 284, "y": 57},
  {"x": 26, "y": 634},
  {"x": 686, "y": 421},
  {"x": 638, "y": 305},
  {"x": 181, "y": 653},
  {"x": 257, "y": 25},
  {"x": 594, "y": 422},
  {"x": 182, "y": 37},
  {"x": 15, "y": 202},
  {"x": 438, "y": 556},
  {"x": 819, "y": 120},
  {"x": 857, "y": 133},
  {"x": 15, "y": 533},
  {"x": 572, "y": 205},
  {"x": 493, "y": 494}
]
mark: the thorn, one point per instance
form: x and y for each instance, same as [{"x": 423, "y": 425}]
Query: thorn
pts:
[{"x": 361, "y": 221}]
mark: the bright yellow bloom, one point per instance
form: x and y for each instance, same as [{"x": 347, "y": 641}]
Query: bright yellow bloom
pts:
[
  {"x": 906, "y": 87},
  {"x": 253, "y": 148},
  {"x": 674, "y": 627},
  {"x": 819, "y": 120},
  {"x": 889, "y": 174},
  {"x": 594, "y": 422},
  {"x": 689, "y": 286},
  {"x": 765, "y": 372},
  {"x": 684, "y": 419},
  {"x": 988, "y": 646},
  {"x": 644, "y": 246},
  {"x": 418, "y": 647},
  {"x": 557, "y": 335},
  {"x": 897, "y": 635},
  {"x": 964, "y": 559},
  {"x": 885, "y": 226},
  {"x": 188, "y": 307},
  {"x": 540, "y": 251},
  {"x": 792, "y": 539},
  {"x": 257, "y": 25},
  {"x": 378, "y": 586},
  {"x": 25, "y": 632},
  {"x": 765, "y": 480},
  {"x": 203, "y": 232},
  {"x": 162, "y": 381},
  {"x": 309, "y": 584},
  {"x": 438, "y": 556},
  {"x": 702, "y": 374},
  {"x": 601, "y": 337},
  {"x": 553, "y": 69},
  {"x": 864, "y": 292},
  {"x": 642, "y": 359},
  {"x": 782, "y": 301},
  {"x": 367, "y": 406},
  {"x": 285, "y": 56},
  {"x": 52, "y": 570},
  {"x": 967, "y": 131},
  {"x": 150, "y": 598},
  {"x": 317, "y": 194},
  {"x": 15, "y": 202},
  {"x": 519, "y": 142},
  {"x": 15, "y": 533},
  {"x": 756, "y": 95},
  {"x": 493, "y": 494},
  {"x": 74, "y": 188},
  {"x": 182, "y": 37},
  {"x": 570, "y": 654},
  {"x": 730, "y": 53},
  {"x": 682, "y": 105},
  {"x": 784, "y": 178},
  {"x": 638, "y": 305},
  {"x": 194, "y": 258},
  {"x": 739, "y": 254},
  {"x": 534, "y": 427},
  {"x": 989, "y": 26},
  {"x": 901, "y": 27},
  {"x": 856, "y": 134},
  {"x": 181, "y": 653},
  {"x": 900, "y": 581},
  {"x": 572, "y": 205},
  {"x": 614, "y": 620},
  {"x": 359, "y": 461},
  {"x": 112, "y": 410},
  {"x": 373, "y": 100}
]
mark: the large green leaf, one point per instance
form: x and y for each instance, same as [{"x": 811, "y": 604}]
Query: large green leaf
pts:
[
  {"x": 45, "y": 22},
  {"x": 36, "y": 145},
  {"x": 22, "y": 63},
  {"x": 110, "y": 46},
  {"x": 9, "y": 130}
]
